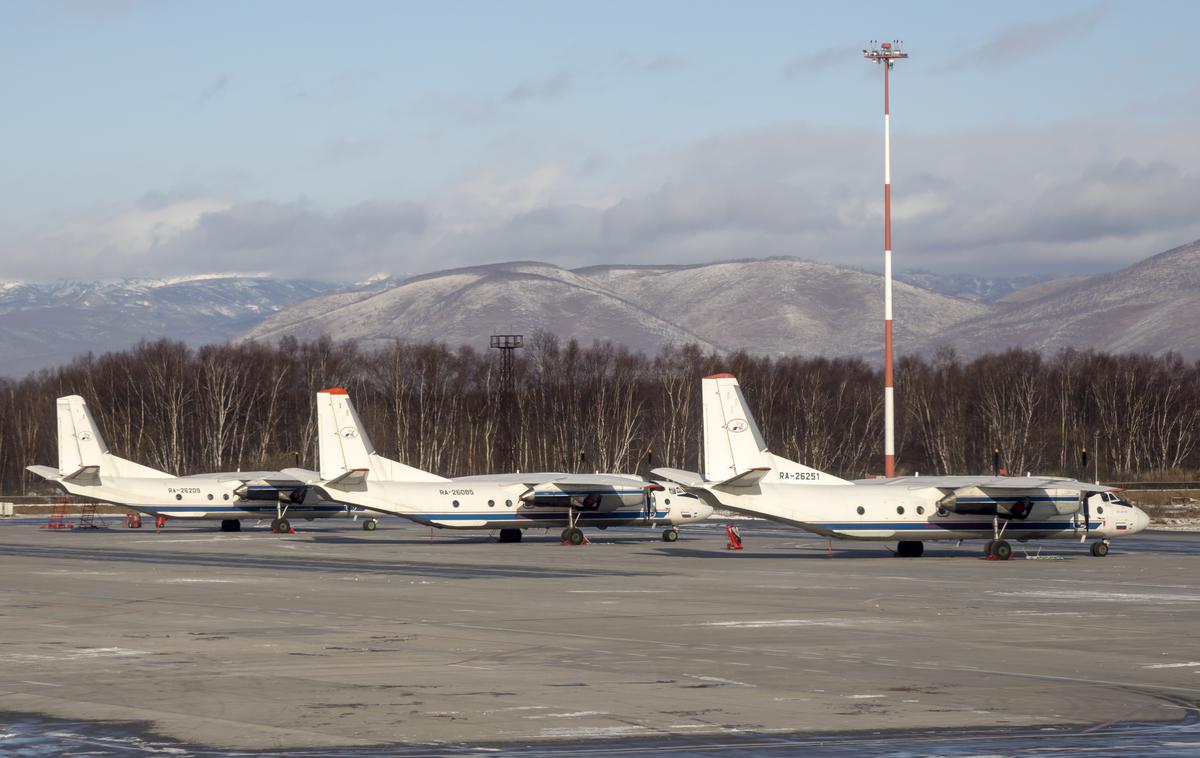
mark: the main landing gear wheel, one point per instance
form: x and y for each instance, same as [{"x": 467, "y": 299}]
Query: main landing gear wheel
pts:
[
  {"x": 514, "y": 535},
  {"x": 670, "y": 535},
  {"x": 281, "y": 526},
  {"x": 574, "y": 536},
  {"x": 1001, "y": 550},
  {"x": 1100, "y": 549},
  {"x": 231, "y": 525},
  {"x": 370, "y": 524},
  {"x": 910, "y": 549},
  {"x": 987, "y": 548}
]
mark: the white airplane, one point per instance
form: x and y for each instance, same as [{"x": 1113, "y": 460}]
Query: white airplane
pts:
[
  {"x": 86, "y": 468},
  {"x": 352, "y": 472},
  {"x": 742, "y": 475}
]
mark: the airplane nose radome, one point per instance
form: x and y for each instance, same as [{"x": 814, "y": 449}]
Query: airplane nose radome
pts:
[{"x": 1142, "y": 520}]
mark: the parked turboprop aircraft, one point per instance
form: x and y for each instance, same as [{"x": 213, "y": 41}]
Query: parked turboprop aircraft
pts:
[
  {"x": 741, "y": 475},
  {"x": 352, "y": 472},
  {"x": 86, "y": 468}
]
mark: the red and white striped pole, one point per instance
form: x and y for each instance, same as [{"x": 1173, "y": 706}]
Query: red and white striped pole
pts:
[{"x": 887, "y": 54}]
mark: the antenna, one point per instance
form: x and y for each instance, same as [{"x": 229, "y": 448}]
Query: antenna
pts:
[
  {"x": 506, "y": 439},
  {"x": 887, "y": 53}
]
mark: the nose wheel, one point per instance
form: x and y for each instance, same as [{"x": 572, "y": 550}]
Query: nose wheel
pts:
[
  {"x": 1100, "y": 549},
  {"x": 670, "y": 535},
  {"x": 370, "y": 524}
]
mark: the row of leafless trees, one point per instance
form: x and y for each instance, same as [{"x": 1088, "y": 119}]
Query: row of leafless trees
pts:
[{"x": 250, "y": 407}]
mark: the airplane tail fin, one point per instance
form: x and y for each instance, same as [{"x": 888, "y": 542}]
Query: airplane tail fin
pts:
[
  {"x": 345, "y": 451},
  {"x": 82, "y": 453},
  {"x": 735, "y": 453}
]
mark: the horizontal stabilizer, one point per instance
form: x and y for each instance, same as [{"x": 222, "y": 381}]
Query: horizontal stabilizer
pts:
[
  {"x": 354, "y": 479},
  {"x": 87, "y": 475},
  {"x": 745, "y": 479},
  {"x": 45, "y": 472},
  {"x": 680, "y": 477}
]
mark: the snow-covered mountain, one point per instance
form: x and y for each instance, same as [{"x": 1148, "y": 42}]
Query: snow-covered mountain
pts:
[
  {"x": 1149, "y": 307},
  {"x": 774, "y": 306},
  {"x": 986, "y": 289},
  {"x": 50, "y": 323}
]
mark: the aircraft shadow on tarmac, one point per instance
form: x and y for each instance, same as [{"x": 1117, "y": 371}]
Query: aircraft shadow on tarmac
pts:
[
  {"x": 855, "y": 554},
  {"x": 391, "y": 568}
]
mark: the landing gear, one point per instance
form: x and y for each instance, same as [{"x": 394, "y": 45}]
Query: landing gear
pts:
[
  {"x": 281, "y": 526},
  {"x": 231, "y": 525},
  {"x": 514, "y": 535},
  {"x": 370, "y": 524},
  {"x": 1100, "y": 549},
  {"x": 573, "y": 535},
  {"x": 910, "y": 549},
  {"x": 670, "y": 535},
  {"x": 987, "y": 548},
  {"x": 1001, "y": 550},
  {"x": 998, "y": 549}
]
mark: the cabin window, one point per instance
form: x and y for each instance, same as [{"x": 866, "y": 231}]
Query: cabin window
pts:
[
  {"x": 1099, "y": 509},
  {"x": 210, "y": 497},
  {"x": 508, "y": 504},
  {"x": 455, "y": 503},
  {"x": 900, "y": 509},
  {"x": 667, "y": 501},
  {"x": 920, "y": 510},
  {"x": 861, "y": 510},
  {"x": 225, "y": 496},
  {"x": 491, "y": 504},
  {"x": 179, "y": 497}
]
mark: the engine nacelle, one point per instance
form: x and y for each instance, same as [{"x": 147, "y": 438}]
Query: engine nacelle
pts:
[{"x": 1007, "y": 504}]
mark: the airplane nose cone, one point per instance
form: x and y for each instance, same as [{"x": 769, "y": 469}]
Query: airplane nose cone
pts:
[{"x": 1141, "y": 520}]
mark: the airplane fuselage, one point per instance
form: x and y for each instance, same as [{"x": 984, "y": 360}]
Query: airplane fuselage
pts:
[
  {"x": 865, "y": 512},
  {"x": 482, "y": 505},
  {"x": 209, "y": 496}
]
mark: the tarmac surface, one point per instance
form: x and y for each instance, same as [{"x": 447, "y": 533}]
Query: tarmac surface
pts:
[{"x": 346, "y": 642}]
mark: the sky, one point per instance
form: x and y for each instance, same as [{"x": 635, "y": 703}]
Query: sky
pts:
[{"x": 338, "y": 141}]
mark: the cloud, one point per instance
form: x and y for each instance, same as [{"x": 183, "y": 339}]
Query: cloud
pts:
[
  {"x": 803, "y": 67},
  {"x": 974, "y": 201},
  {"x": 656, "y": 64},
  {"x": 549, "y": 88},
  {"x": 214, "y": 88},
  {"x": 1019, "y": 41},
  {"x": 343, "y": 150}
]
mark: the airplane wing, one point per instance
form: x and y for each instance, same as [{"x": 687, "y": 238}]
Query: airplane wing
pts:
[
  {"x": 587, "y": 491},
  {"x": 988, "y": 482}
]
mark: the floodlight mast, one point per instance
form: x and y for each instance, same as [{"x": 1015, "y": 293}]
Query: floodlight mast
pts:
[{"x": 887, "y": 53}]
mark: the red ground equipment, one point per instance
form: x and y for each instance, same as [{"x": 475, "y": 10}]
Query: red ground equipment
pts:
[
  {"x": 133, "y": 520},
  {"x": 735, "y": 538},
  {"x": 58, "y": 517}
]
